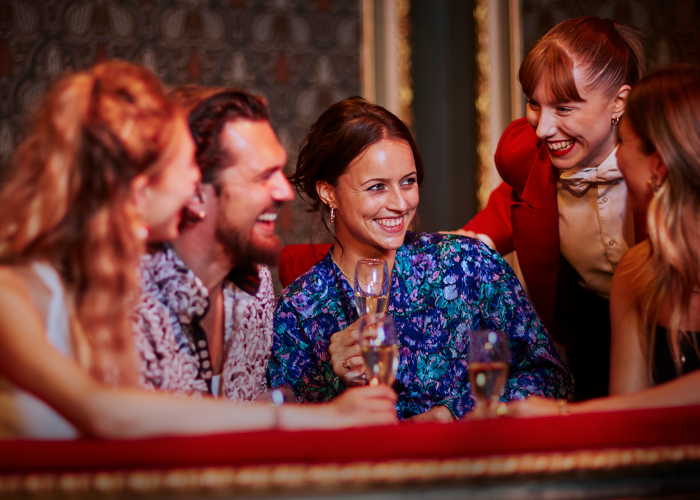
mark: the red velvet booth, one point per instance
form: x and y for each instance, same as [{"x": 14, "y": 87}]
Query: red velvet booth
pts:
[
  {"x": 604, "y": 455},
  {"x": 297, "y": 259}
]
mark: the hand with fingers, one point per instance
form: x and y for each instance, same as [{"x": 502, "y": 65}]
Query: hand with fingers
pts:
[
  {"x": 461, "y": 232},
  {"x": 346, "y": 356},
  {"x": 359, "y": 406}
]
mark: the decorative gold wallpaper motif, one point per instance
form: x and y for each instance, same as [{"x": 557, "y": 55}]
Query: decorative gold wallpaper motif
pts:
[
  {"x": 671, "y": 27},
  {"x": 302, "y": 55}
]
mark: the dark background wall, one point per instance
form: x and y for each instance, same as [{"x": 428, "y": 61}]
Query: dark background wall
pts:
[
  {"x": 444, "y": 73},
  {"x": 671, "y": 27},
  {"x": 443, "y": 66},
  {"x": 302, "y": 55}
]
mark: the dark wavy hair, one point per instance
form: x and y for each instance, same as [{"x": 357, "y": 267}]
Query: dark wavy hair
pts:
[
  {"x": 208, "y": 110},
  {"x": 342, "y": 133}
]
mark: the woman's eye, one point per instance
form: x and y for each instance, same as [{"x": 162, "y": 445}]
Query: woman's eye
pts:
[
  {"x": 410, "y": 181},
  {"x": 532, "y": 104},
  {"x": 376, "y": 187},
  {"x": 563, "y": 109}
]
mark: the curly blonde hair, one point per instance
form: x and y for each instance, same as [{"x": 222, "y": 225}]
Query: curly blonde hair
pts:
[{"x": 66, "y": 201}]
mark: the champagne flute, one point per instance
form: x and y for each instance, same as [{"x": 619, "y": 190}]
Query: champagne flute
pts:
[
  {"x": 371, "y": 286},
  {"x": 380, "y": 347},
  {"x": 489, "y": 354}
]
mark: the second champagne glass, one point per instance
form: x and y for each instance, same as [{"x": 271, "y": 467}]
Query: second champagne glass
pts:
[
  {"x": 489, "y": 354},
  {"x": 380, "y": 347},
  {"x": 371, "y": 286}
]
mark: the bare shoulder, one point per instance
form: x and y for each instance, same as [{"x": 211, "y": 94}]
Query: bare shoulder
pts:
[
  {"x": 623, "y": 283},
  {"x": 13, "y": 282}
]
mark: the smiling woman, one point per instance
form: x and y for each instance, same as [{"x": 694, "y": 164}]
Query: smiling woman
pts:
[
  {"x": 360, "y": 165},
  {"x": 563, "y": 203}
]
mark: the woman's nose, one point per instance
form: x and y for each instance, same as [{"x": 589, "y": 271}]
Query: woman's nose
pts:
[
  {"x": 547, "y": 125},
  {"x": 397, "y": 201}
]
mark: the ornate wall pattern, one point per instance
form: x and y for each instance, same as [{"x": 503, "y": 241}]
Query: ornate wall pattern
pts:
[
  {"x": 671, "y": 27},
  {"x": 302, "y": 55}
]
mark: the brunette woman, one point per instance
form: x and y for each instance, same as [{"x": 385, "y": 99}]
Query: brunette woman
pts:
[
  {"x": 563, "y": 204},
  {"x": 109, "y": 158},
  {"x": 361, "y": 170}
]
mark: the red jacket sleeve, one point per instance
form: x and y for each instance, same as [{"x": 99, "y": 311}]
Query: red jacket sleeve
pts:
[{"x": 494, "y": 219}]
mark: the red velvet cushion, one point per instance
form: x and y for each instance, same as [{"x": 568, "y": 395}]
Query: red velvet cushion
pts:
[
  {"x": 297, "y": 259},
  {"x": 623, "y": 429}
]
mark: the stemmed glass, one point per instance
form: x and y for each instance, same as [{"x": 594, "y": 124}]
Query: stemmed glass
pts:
[
  {"x": 371, "y": 286},
  {"x": 380, "y": 349},
  {"x": 489, "y": 354}
]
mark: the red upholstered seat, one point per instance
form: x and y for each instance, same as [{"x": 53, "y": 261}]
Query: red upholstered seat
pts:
[{"x": 297, "y": 259}]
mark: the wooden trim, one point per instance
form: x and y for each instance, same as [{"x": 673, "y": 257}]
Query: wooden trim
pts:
[{"x": 309, "y": 476}]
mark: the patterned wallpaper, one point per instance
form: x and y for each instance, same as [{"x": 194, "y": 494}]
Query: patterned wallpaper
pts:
[
  {"x": 671, "y": 27},
  {"x": 302, "y": 55}
]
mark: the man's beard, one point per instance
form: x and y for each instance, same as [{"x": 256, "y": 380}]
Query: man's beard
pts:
[{"x": 244, "y": 249}]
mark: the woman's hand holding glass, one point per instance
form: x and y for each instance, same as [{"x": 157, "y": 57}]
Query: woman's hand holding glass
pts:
[{"x": 346, "y": 356}]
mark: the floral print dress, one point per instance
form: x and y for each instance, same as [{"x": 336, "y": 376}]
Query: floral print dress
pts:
[{"x": 443, "y": 288}]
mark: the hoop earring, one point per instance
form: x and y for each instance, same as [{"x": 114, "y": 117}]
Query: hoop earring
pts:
[
  {"x": 331, "y": 217},
  {"x": 614, "y": 122}
]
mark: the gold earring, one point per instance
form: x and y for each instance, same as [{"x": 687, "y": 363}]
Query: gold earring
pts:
[{"x": 653, "y": 185}]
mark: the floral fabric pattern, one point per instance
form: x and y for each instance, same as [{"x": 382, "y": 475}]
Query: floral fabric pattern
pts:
[
  {"x": 443, "y": 288},
  {"x": 172, "y": 301}
]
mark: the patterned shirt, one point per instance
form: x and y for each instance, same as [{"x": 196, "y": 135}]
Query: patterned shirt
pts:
[
  {"x": 173, "y": 347},
  {"x": 443, "y": 288}
]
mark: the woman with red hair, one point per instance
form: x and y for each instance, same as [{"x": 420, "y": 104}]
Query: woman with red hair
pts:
[
  {"x": 563, "y": 204},
  {"x": 655, "y": 297},
  {"x": 108, "y": 165}
]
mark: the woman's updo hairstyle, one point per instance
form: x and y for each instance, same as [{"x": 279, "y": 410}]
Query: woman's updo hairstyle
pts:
[
  {"x": 340, "y": 135},
  {"x": 66, "y": 200},
  {"x": 610, "y": 54}
]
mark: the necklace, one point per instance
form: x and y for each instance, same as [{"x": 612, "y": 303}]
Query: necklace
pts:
[{"x": 341, "y": 270}]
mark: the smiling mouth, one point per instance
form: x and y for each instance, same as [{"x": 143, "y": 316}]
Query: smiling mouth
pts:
[
  {"x": 560, "y": 148},
  {"x": 269, "y": 217},
  {"x": 390, "y": 222}
]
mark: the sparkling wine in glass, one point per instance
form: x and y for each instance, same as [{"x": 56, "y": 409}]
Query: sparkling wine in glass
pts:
[
  {"x": 380, "y": 347},
  {"x": 371, "y": 286},
  {"x": 488, "y": 368}
]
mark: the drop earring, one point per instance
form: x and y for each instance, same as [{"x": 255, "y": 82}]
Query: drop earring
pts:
[
  {"x": 331, "y": 217},
  {"x": 614, "y": 122}
]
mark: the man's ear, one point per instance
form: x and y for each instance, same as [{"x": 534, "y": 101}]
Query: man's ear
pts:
[
  {"x": 140, "y": 193},
  {"x": 620, "y": 100},
  {"x": 327, "y": 193}
]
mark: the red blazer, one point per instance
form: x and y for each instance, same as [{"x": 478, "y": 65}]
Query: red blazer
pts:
[{"x": 522, "y": 215}]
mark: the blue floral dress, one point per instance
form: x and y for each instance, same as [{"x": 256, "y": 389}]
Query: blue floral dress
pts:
[{"x": 443, "y": 288}]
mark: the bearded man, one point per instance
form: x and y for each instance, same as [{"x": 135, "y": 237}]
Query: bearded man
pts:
[{"x": 204, "y": 321}]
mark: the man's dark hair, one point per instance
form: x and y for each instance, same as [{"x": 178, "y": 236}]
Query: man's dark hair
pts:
[{"x": 207, "y": 115}]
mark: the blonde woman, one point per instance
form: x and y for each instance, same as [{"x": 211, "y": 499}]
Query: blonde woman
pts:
[
  {"x": 655, "y": 298},
  {"x": 108, "y": 164}
]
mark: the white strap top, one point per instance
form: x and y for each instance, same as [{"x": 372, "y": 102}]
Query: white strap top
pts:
[{"x": 22, "y": 415}]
